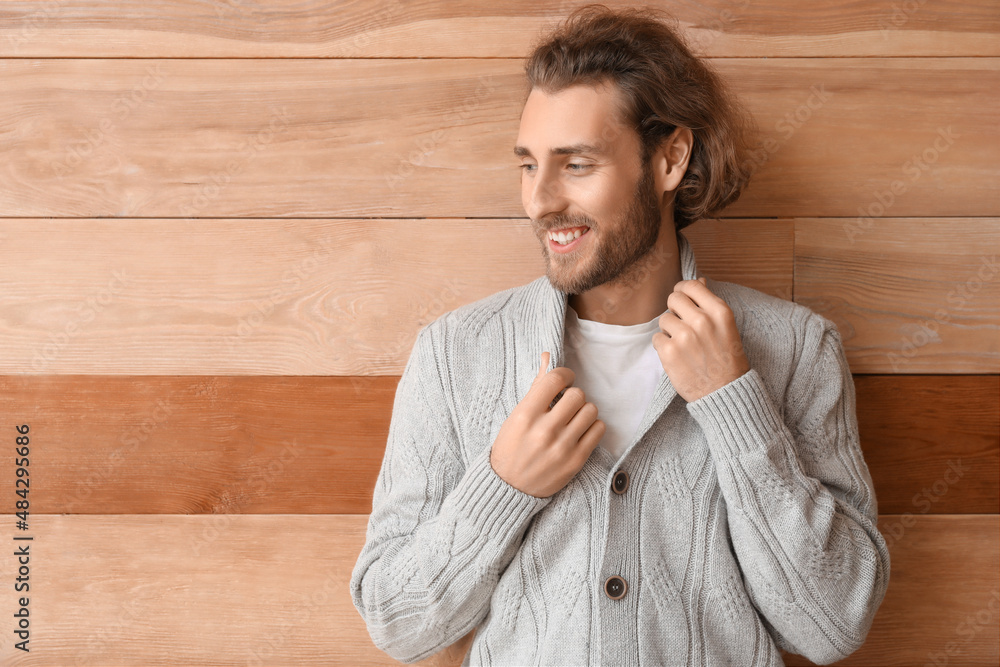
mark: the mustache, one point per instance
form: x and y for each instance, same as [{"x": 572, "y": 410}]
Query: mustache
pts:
[{"x": 563, "y": 221}]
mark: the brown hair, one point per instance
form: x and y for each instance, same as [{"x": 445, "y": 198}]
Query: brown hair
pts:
[{"x": 664, "y": 86}]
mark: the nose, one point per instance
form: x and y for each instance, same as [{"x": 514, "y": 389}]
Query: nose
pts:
[{"x": 542, "y": 194}]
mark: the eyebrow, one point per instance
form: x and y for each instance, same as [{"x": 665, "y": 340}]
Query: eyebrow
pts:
[{"x": 522, "y": 151}]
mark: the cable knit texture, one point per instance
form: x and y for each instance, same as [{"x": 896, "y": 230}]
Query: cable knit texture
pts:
[{"x": 748, "y": 525}]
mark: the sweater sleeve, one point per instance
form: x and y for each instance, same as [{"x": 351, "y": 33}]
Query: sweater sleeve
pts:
[
  {"x": 801, "y": 508},
  {"x": 440, "y": 533}
]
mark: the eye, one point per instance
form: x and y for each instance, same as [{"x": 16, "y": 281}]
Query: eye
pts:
[
  {"x": 526, "y": 167},
  {"x": 577, "y": 166}
]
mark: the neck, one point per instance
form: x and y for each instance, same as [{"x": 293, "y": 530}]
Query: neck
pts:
[{"x": 640, "y": 294}]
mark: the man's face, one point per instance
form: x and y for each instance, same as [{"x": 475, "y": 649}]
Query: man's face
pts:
[{"x": 581, "y": 167}]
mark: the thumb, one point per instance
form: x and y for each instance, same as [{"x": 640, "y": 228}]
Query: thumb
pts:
[{"x": 545, "y": 364}]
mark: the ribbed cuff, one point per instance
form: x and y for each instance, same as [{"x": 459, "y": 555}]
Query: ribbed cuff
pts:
[
  {"x": 495, "y": 507},
  {"x": 741, "y": 417}
]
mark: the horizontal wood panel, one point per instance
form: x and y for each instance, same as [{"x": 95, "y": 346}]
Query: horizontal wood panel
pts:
[
  {"x": 187, "y": 590},
  {"x": 392, "y": 28},
  {"x": 346, "y": 297},
  {"x": 903, "y": 300},
  {"x": 242, "y": 445},
  {"x": 943, "y": 597},
  {"x": 222, "y": 445},
  {"x": 172, "y": 590},
  {"x": 433, "y": 138},
  {"x": 282, "y": 297},
  {"x": 931, "y": 442}
]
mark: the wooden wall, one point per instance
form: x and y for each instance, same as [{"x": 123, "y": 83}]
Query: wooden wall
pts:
[{"x": 222, "y": 224}]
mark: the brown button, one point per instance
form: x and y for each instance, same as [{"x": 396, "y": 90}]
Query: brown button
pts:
[
  {"x": 620, "y": 482},
  {"x": 615, "y": 588}
]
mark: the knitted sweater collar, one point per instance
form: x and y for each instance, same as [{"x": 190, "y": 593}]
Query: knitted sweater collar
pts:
[
  {"x": 548, "y": 322},
  {"x": 553, "y": 302}
]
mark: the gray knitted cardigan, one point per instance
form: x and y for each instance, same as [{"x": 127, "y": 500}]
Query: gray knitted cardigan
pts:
[{"x": 748, "y": 523}]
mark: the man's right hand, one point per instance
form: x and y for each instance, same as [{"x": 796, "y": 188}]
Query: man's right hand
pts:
[{"x": 538, "y": 449}]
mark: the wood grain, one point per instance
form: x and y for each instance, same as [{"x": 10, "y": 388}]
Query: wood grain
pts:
[
  {"x": 259, "y": 138},
  {"x": 903, "y": 300},
  {"x": 943, "y": 600},
  {"x": 202, "y": 445},
  {"x": 186, "y": 590},
  {"x": 238, "y": 590},
  {"x": 394, "y": 29},
  {"x": 258, "y": 204},
  {"x": 282, "y": 297},
  {"x": 347, "y": 297},
  {"x": 931, "y": 442},
  {"x": 312, "y": 445}
]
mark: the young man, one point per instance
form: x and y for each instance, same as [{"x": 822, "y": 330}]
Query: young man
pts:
[{"x": 720, "y": 508}]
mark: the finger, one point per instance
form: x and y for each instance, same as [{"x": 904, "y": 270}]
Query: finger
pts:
[
  {"x": 681, "y": 304},
  {"x": 542, "y": 373},
  {"x": 699, "y": 294},
  {"x": 567, "y": 404},
  {"x": 673, "y": 327},
  {"x": 545, "y": 364},
  {"x": 695, "y": 289},
  {"x": 546, "y": 386},
  {"x": 589, "y": 441},
  {"x": 668, "y": 320}
]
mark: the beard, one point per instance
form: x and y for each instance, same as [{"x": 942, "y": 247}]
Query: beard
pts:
[{"x": 614, "y": 260}]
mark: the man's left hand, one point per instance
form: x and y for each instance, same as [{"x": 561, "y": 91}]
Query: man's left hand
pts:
[{"x": 701, "y": 350}]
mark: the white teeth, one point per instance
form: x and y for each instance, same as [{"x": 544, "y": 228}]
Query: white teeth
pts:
[{"x": 564, "y": 238}]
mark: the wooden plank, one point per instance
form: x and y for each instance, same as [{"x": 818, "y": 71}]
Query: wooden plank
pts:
[
  {"x": 943, "y": 599},
  {"x": 195, "y": 590},
  {"x": 193, "y": 445},
  {"x": 931, "y": 442},
  {"x": 433, "y": 138},
  {"x": 242, "y": 445},
  {"x": 238, "y": 590},
  {"x": 346, "y": 297},
  {"x": 393, "y": 29},
  {"x": 903, "y": 300},
  {"x": 754, "y": 253},
  {"x": 281, "y": 297}
]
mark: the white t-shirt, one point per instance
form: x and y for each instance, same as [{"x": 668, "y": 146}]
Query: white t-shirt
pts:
[{"x": 618, "y": 370}]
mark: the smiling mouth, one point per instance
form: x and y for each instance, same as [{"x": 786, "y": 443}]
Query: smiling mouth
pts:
[
  {"x": 567, "y": 244},
  {"x": 567, "y": 235}
]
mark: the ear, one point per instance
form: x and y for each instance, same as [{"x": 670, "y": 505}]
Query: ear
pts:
[{"x": 670, "y": 161}]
